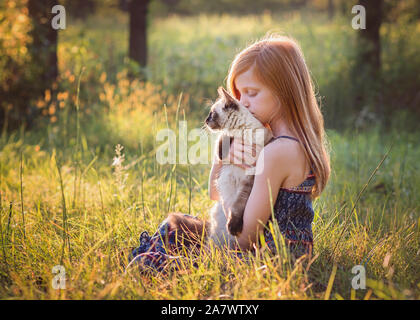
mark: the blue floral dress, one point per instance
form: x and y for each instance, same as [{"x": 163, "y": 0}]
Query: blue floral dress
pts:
[{"x": 293, "y": 213}]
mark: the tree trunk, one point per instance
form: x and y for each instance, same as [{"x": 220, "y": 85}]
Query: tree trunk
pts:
[
  {"x": 369, "y": 38},
  {"x": 343, "y": 7},
  {"x": 138, "y": 31},
  {"x": 43, "y": 49},
  {"x": 367, "y": 72},
  {"x": 331, "y": 9}
]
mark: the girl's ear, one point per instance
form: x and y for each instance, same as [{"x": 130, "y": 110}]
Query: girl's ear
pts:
[{"x": 226, "y": 95}]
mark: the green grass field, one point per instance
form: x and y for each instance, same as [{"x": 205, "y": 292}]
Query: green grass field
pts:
[{"x": 64, "y": 203}]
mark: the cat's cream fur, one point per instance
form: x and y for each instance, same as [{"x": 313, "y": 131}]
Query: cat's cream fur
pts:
[{"x": 234, "y": 184}]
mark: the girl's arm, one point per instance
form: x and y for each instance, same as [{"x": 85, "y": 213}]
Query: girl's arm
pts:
[
  {"x": 273, "y": 167},
  {"x": 214, "y": 174}
]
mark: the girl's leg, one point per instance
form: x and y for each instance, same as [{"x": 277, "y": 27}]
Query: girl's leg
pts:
[
  {"x": 189, "y": 229},
  {"x": 177, "y": 232}
]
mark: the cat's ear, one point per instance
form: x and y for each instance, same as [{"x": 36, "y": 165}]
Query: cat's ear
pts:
[
  {"x": 230, "y": 102},
  {"x": 226, "y": 95}
]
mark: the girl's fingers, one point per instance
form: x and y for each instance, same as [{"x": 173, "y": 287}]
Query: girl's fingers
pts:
[
  {"x": 241, "y": 164},
  {"x": 245, "y": 147},
  {"x": 250, "y": 149},
  {"x": 236, "y": 145},
  {"x": 241, "y": 158},
  {"x": 243, "y": 154}
]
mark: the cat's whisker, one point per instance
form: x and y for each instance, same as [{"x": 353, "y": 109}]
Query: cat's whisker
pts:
[{"x": 204, "y": 129}]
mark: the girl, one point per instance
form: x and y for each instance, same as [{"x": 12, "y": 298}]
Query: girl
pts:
[{"x": 271, "y": 79}]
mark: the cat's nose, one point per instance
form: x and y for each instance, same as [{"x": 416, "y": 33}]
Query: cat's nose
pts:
[
  {"x": 208, "y": 118},
  {"x": 245, "y": 104}
]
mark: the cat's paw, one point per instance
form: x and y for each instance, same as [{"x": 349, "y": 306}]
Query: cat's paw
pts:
[{"x": 235, "y": 225}]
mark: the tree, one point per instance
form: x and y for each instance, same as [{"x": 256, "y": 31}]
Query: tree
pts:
[
  {"x": 43, "y": 49},
  {"x": 80, "y": 9},
  {"x": 138, "y": 31},
  {"x": 331, "y": 9},
  {"x": 368, "y": 64},
  {"x": 369, "y": 39},
  {"x": 28, "y": 64},
  {"x": 14, "y": 60}
]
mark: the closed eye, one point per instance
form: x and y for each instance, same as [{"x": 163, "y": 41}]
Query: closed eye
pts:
[{"x": 250, "y": 92}]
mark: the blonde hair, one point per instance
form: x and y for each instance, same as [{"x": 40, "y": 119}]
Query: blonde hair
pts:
[{"x": 280, "y": 65}]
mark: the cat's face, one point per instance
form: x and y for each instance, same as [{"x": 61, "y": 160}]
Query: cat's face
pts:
[{"x": 228, "y": 113}]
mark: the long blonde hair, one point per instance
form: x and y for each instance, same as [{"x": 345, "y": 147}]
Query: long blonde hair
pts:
[{"x": 280, "y": 65}]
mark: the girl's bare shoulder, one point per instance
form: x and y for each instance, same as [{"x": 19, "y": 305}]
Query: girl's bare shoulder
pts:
[
  {"x": 286, "y": 158},
  {"x": 284, "y": 150}
]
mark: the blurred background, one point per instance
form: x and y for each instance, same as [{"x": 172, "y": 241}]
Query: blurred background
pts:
[{"x": 185, "y": 46}]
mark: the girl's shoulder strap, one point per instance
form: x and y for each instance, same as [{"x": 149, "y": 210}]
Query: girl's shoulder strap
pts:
[
  {"x": 287, "y": 137},
  {"x": 311, "y": 174}
]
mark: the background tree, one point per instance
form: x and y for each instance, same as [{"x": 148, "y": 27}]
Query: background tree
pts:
[
  {"x": 367, "y": 70},
  {"x": 138, "y": 31},
  {"x": 369, "y": 39},
  {"x": 14, "y": 41},
  {"x": 80, "y": 9},
  {"x": 28, "y": 59},
  {"x": 42, "y": 50},
  {"x": 331, "y": 9}
]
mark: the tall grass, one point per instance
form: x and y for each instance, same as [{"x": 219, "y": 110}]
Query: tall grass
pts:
[{"x": 381, "y": 232}]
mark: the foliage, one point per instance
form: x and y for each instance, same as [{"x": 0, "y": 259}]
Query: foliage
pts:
[
  {"x": 15, "y": 27},
  {"x": 180, "y": 54}
]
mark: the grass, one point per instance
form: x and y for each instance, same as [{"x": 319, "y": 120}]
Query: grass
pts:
[
  {"x": 79, "y": 189},
  {"x": 85, "y": 231}
]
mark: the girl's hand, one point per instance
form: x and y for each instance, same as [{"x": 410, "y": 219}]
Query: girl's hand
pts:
[{"x": 242, "y": 154}]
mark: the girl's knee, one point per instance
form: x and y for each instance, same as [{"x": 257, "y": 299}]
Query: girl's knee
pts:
[{"x": 187, "y": 225}]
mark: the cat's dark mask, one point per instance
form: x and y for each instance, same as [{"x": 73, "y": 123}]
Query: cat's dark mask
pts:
[{"x": 225, "y": 105}]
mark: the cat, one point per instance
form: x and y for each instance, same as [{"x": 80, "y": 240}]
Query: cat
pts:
[
  {"x": 234, "y": 184},
  {"x": 233, "y": 120}
]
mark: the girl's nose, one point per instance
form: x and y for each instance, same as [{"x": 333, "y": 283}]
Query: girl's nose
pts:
[{"x": 245, "y": 103}]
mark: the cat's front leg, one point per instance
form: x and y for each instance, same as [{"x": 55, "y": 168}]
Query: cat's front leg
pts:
[
  {"x": 236, "y": 211},
  {"x": 235, "y": 222}
]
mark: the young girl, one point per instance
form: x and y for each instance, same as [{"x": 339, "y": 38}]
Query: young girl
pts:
[{"x": 271, "y": 79}]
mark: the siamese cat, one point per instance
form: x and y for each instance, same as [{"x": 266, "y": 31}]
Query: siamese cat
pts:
[
  {"x": 234, "y": 184},
  {"x": 232, "y": 120}
]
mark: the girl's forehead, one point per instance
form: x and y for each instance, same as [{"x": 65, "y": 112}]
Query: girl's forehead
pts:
[{"x": 247, "y": 79}]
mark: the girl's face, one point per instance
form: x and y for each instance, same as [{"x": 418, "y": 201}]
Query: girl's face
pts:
[{"x": 256, "y": 97}]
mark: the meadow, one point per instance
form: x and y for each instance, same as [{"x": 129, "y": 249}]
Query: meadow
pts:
[{"x": 79, "y": 187}]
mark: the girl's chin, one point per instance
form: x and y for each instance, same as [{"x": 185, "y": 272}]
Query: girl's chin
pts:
[{"x": 257, "y": 117}]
